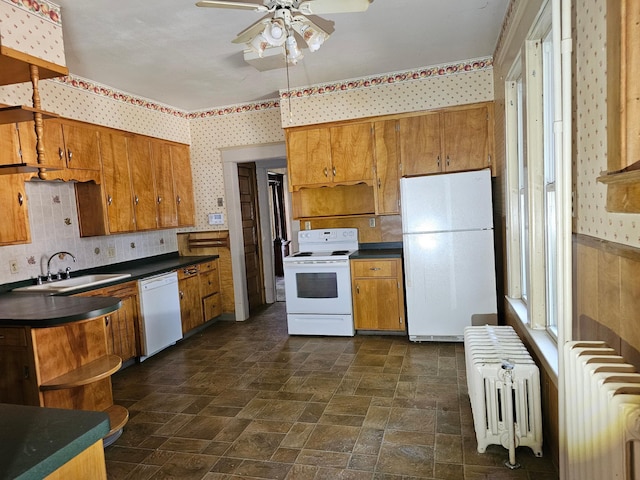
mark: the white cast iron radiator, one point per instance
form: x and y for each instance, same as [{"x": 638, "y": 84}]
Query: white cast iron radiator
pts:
[
  {"x": 504, "y": 389},
  {"x": 602, "y": 415}
]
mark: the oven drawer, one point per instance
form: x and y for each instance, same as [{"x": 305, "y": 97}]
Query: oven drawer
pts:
[{"x": 374, "y": 268}]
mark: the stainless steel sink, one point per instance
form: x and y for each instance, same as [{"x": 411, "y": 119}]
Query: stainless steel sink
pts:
[{"x": 75, "y": 283}]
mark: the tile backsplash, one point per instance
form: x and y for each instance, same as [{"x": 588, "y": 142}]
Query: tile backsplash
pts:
[{"x": 54, "y": 227}]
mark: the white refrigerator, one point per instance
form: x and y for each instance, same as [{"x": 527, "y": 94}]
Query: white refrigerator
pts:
[{"x": 449, "y": 260}]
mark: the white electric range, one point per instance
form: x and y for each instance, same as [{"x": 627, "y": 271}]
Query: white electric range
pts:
[{"x": 317, "y": 282}]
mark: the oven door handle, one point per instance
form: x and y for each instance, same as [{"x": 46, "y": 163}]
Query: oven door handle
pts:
[{"x": 318, "y": 264}]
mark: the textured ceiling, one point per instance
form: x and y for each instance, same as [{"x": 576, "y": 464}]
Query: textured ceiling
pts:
[{"x": 175, "y": 53}]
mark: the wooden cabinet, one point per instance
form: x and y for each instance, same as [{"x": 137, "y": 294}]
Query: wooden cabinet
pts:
[
  {"x": 210, "y": 290},
  {"x": 122, "y": 326},
  {"x": 116, "y": 178},
  {"x": 14, "y": 222},
  {"x": 183, "y": 185},
  {"x": 455, "y": 139},
  {"x": 71, "y": 145},
  {"x": 387, "y": 167},
  {"x": 142, "y": 182},
  {"x": 66, "y": 366},
  {"x": 338, "y": 155},
  {"x": 18, "y": 144},
  {"x": 167, "y": 212},
  {"x": 190, "y": 300},
  {"x": 378, "y": 294}
]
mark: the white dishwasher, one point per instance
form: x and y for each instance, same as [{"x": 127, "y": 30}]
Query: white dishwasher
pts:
[{"x": 160, "y": 311}]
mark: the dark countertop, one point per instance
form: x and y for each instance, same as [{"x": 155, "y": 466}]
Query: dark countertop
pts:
[
  {"x": 45, "y": 310},
  {"x": 37, "y": 440},
  {"x": 377, "y": 250}
]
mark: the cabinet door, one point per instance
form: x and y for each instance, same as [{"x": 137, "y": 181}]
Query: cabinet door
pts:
[
  {"x": 466, "y": 139},
  {"x": 142, "y": 179},
  {"x": 308, "y": 156},
  {"x": 163, "y": 177},
  {"x": 190, "y": 302},
  {"x": 420, "y": 148},
  {"x": 17, "y": 382},
  {"x": 14, "y": 221},
  {"x": 352, "y": 153},
  {"x": 54, "y": 149},
  {"x": 123, "y": 328},
  {"x": 375, "y": 304},
  {"x": 387, "y": 167},
  {"x": 9, "y": 145},
  {"x": 183, "y": 183},
  {"x": 82, "y": 148},
  {"x": 117, "y": 182}
]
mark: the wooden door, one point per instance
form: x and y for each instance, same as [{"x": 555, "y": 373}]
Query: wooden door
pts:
[
  {"x": 352, "y": 153},
  {"x": 183, "y": 183},
  {"x": 142, "y": 179},
  {"x": 309, "y": 157},
  {"x": 190, "y": 300},
  {"x": 82, "y": 147},
  {"x": 163, "y": 176},
  {"x": 251, "y": 233},
  {"x": 466, "y": 139},
  {"x": 420, "y": 148},
  {"x": 387, "y": 153},
  {"x": 117, "y": 182},
  {"x": 375, "y": 304},
  {"x": 9, "y": 145},
  {"x": 14, "y": 222},
  {"x": 54, "y": 149}
]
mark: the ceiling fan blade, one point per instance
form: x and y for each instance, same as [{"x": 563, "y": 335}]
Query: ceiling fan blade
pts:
[
  {"x": 250, "y": 32},
  {"x": 236, "y": 5},
  {"x": 321, "y": 7},
  {"x": 327, "y": 25}
]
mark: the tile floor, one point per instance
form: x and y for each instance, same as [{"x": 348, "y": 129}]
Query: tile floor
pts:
[{"x": 243, "y": 400}]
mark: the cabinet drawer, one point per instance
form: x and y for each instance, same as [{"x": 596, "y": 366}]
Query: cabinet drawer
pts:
[
  {"x": 188, "y": 271},
  {"x": 212, "y": 306},
  {"x": 209, "y": 283},
  {"x": 374, "y": 268},
  {"x": 209, "y": 266},
  {"x": 13, "y": 337}
]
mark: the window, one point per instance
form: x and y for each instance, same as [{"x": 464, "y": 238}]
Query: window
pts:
[{"x": 532, "y": 244}]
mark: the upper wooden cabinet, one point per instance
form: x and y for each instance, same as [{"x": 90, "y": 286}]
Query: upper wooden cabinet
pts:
[
  {"x": 183, "y": 185},
  {"x": 338, "y": 155},
  {"x": 142, "y": 182},
  {"x": 14, "y": 222},
  {"x": 71, "y": 145},
  {"x": 387, "y": 167},
  {"x": 163, "y": 174},
  {"x": 116, "y": 177},
  {"x": 455, "y": 139}
]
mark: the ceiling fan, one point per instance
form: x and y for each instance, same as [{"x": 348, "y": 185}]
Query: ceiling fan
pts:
[{"x": 285, "y": 19}]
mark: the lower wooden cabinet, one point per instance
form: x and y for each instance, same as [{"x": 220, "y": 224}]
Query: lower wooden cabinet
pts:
[
  {"x": 378, "y": 294},
  {"x": 190, "y": 305},
  {"x": 122, "y": 325},
  {"x": 210, "y": 290}
]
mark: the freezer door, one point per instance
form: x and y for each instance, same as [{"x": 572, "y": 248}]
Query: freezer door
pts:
[
  {"x": 449, "y": 278},
  {"x": 452, "y": 201}
]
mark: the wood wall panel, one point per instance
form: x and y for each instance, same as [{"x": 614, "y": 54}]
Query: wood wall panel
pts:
[{"x": 388, "y": 227}]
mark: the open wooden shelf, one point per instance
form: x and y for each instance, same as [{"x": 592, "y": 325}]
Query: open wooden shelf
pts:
[
  {"x": 100, "y": 368},
  {"x": 118, "y": 417},
  {"x": 21, "y": 113},
  {"x": 209, "y": 240}
]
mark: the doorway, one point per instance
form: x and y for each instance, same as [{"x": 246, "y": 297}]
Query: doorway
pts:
[{"x": 278, "y": 230}]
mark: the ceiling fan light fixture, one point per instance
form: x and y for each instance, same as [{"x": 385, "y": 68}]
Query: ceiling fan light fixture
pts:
[
  {"x": 275, "y": 32},
  {"x": 293, "y": 52},
  {"x": 314, "y": 37}
]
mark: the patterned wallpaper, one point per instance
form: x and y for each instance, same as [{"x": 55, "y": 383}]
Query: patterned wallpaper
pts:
[{"x": 591, "y": 130}]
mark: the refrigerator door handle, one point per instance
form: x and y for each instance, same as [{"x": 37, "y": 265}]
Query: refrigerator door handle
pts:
[{"x": 407, "y": 267}]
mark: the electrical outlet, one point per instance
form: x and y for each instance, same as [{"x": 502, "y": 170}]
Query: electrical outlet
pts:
[
  {"x": 111, "y": 252},
  {"x": 372, "y": 222},
  {"x": 13, "y": 266},
  {"x": 307, "y": 225}
]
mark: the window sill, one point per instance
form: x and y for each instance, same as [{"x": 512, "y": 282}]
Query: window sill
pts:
[{"x": 546, "y": 348}]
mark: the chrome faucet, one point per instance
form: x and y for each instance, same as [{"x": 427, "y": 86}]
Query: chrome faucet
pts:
[{"x": 61, "y": 254}]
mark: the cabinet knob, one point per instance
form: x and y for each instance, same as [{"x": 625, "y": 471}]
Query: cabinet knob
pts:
[
  {"x": 60, "y": 153},
  {"x": 136, "y": 200},
  {"x": 109, "y": 199},
  {"x": 159, "y": 199},
  {"x": 69, "y": 155},
  {"x": 107, "y": 319},
  {"x": 334, "y": 171},
  {"x": 178, "y": 199},
  {"x": 379, "y": 184},
  {"x": 20, "y": 199},
  {"x": 326, "y": 172},
  {"x": 438, "y": 161},
  {"x": 181, "y": 294},
  {"x": 375, "y": 269},
  {"x": 358, "y": 289},
  {"x": 448, "y": 161}
]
